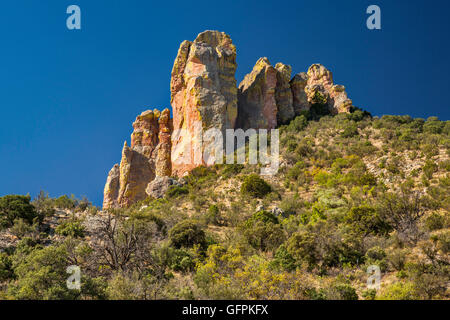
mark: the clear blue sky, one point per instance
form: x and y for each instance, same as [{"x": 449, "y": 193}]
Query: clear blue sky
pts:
[{"x": 68, "y": 98}]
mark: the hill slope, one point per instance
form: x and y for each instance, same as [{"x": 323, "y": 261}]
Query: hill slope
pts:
[{"x": 352, "y": 192}]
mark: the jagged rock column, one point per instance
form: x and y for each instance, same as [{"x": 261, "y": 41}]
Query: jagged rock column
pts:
[{"x": 148, "y": 156}]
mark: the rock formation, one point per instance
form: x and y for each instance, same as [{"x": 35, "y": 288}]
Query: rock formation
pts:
[
  {"x": 148, "y": 157},
  {"x": 111, "y": 191},
  {"x": 265, "y": 97},
  {"x": 203, "y": 95},
  {"x": 320, "y": 79},
  {"x": 257, "y": 105}
]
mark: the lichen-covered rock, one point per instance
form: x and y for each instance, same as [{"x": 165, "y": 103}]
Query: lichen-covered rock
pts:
[
  {"x": 203, "y": 91},
  {"x": 147, "y": 157},
  {"x": 283, "y": 94},
  {"x": 257, "y": 105},
  {"x": 320, "y": 79},
  {"x": 299, "y": 97}
]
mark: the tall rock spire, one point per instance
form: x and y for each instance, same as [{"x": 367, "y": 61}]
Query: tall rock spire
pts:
[{"x": 203, "y": 93}]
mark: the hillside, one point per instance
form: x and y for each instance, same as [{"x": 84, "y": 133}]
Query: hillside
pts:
[{"x": 352, "y": 191}]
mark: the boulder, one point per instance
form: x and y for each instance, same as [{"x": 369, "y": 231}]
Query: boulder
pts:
[{"x": 159, "y": 186}]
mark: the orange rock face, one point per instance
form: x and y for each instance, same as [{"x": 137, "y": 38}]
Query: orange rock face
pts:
[
  {"x": 148, "y": 157},
  {"x": 203, "y": 96}
]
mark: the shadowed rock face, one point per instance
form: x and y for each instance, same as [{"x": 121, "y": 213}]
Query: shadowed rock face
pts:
[
  {"x": 283, "y": 94},
  {"x": 265, "y": 98},
  {"x": 299, "y": 97},
  {"x": 148, "y": 156},
  {"x": 203, "y": 90},
  {"x": 257, "y": 105}
]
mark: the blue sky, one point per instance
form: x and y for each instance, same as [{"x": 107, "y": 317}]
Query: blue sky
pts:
[{"x": 68, "y": 98}]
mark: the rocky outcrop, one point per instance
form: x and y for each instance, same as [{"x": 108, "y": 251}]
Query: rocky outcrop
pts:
[
  {"x": 111, "y": 191},
  {"x": 203, "y": 95},
  {"x": 320, "y": 81},
  {"x": 257, "y": 105},
  {"x": 148, "y": 157},
  {"x": 158, "y": 187},
  {"x": 265, "y": 98}
]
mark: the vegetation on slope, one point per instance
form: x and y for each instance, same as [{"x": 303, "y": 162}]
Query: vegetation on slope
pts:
[{"x": 352, "y": 191}]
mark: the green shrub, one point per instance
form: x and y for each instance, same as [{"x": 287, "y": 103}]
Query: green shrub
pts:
[
  {"x": 365, "y": 220},
  {"x": 429, "y": 168},
  {"x": 14, "y": 207},
  {"x": 262, "y": 231},
  {"x": 175, "y": 191},
  {"x": 72, "y": 228},
  {"x": 187, "y": 233},
  {"x": 369, "y": 294},
  {"x": 284, "y": 259},
  {"x": 231, "y": 170},
  {"x": 255, "y": 187},
  {"x": 298, "y": 124},
  {"x": 64, "y": 202},
  {"x": 433, "y": 125},
  {"x": 350, "y": 131},
  {"x": 436, "y": 221},
  {"x": 398, "y": 291},
  {"x": 376, "y": 253},
  {"x": 212, "y": 216},
  {"x": 6, "y": 267},
  {"x": 343, "y": 292}
]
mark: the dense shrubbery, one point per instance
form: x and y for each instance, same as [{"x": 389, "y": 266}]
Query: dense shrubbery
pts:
[
  {"x": 13, "y": 207},
  {"x": 187, "y": 233},
  {"x": 255, "y": 186}
]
